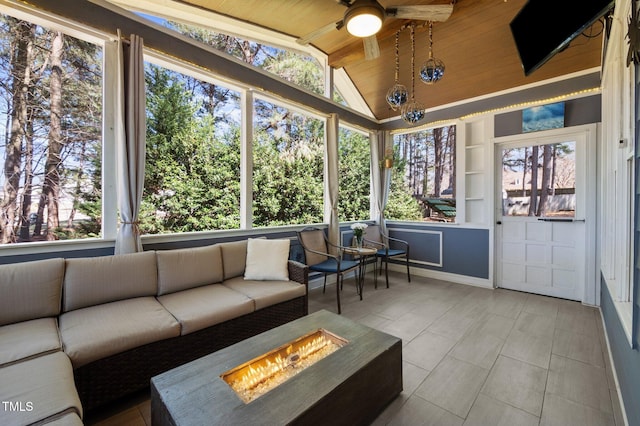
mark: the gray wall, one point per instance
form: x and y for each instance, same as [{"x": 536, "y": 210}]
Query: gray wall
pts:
[
  {"x": 625, "y": 358},
  {"x": 576, "y": 112}
]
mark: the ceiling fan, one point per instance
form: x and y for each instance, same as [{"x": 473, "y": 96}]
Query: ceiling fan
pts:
[{"x": 364, "y": 18}]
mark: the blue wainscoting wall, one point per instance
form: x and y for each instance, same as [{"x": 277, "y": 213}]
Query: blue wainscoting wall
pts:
[
  {"x": 625, "y": 358},
  {"x": 450, "y": 249}
]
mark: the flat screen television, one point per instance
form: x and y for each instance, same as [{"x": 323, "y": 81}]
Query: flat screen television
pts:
[{"x": 542, "y": 28}]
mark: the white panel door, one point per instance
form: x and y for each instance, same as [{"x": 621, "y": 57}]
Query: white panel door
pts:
[{"x": 542, "y": 245}]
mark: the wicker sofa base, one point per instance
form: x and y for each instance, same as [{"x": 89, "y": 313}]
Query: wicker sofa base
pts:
[{"x": 117, "y": 376}]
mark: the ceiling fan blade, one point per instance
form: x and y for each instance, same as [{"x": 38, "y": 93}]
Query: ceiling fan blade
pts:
[
  {"x": 371, "y": 47},
  {"x": 432, "y": 12},
  {"x": 306, "y": 39}
]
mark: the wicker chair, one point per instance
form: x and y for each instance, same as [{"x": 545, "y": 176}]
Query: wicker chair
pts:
[
  {"x": 316, "y": 251},
  {"x": 374, "y": 236}
]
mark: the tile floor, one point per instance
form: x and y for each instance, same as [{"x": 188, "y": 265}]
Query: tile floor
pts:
[{"x": 473, "y": 356}]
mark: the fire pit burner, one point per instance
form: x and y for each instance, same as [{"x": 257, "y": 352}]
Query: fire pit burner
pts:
[{"x": 266, "y": 372}]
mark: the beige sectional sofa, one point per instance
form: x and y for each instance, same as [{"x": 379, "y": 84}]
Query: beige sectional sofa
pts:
[{"x": 78, "y": 333}]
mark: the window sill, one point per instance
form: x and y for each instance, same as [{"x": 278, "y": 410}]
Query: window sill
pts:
[
  {"x": 54, "y": 246},
  {"x": 391, "y": 222}
]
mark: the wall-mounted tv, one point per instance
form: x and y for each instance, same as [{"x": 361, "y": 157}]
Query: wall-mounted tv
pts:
[{"x": 542, "y": 28}]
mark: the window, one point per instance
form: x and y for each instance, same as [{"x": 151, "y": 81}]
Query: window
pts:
[
  {"x": 539, "y": 180},
  {"x": 192, "y": 175},
  {"x": 354, "y": 159},
  {"x": 288, "y": 163},
  {"x": 289, "y": 65},
  {"x": 51, "y": 134},
  {"x": 423, "y": 176}
]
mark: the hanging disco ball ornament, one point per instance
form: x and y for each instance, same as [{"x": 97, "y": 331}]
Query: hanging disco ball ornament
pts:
[
  {"x": 412, "y": 112},
  {"x": 433, "y": 69},
  {"x": 397, "y": 95}
]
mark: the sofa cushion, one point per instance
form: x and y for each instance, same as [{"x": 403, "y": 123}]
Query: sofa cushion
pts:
[
  {"x": 100, "y": 331},
  {"x": 45, "y": 382},
  {"x": 97, "y": 280},
  {"x": 182, "y": 269},
  {"x": 266, "y": 293},
  {"x": 203, "y": 307},
  {"x": 30, "y": 290},
  {"x": 28, "y": 339},
  {"x": 234, "y": 258},
  {"x": 267, "y": 260}
]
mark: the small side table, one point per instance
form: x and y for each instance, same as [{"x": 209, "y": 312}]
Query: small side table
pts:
[{"x": 363, "y": 253}]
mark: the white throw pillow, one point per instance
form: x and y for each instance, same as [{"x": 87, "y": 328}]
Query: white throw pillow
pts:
[{"x": 267, "y": 260}]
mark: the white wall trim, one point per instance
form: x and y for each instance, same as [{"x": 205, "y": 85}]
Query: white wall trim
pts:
[{"x": 422, "y": 231}]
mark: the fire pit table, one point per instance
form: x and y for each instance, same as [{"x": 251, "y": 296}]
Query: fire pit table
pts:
[{"x": 319, "y": 369}]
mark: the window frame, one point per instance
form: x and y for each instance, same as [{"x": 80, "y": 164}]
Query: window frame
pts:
[
  {"x": 191, "y": 15},
  {"x": 248, "y": 94},
  {"x": 459, "y": 196},
  {"x": 617, "y": 180},
  {"x": 109, "y": 78}
]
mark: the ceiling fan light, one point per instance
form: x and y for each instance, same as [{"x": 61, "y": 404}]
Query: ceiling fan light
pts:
[{"x": 364, "y": 18}]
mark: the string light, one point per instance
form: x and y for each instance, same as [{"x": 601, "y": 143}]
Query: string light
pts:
[{"x": 397, "y": 95}]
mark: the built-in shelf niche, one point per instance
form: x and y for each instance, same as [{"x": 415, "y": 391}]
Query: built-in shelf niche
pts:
[{"x": 475, "y": 172}]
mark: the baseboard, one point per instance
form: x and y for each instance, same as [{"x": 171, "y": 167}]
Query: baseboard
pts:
[
  {"x": 444, "y": 276},
  {"x": 421, "y": 272}
]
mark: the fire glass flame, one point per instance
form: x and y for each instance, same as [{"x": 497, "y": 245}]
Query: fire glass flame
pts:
[{"x": 266, "y": 372}]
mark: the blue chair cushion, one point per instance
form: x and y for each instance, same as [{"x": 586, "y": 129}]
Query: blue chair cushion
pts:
[
  {"x": 330, "y": 266},
  {"x": 392, "y": 252}
]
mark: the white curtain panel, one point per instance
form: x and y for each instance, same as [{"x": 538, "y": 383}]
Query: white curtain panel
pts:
[
  {"x": 131, "y": 144},
  {"x": 333, "y": 123},
  {"x": 381, "y": 176}
]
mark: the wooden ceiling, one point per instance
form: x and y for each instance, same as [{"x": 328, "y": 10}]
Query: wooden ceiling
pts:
[{"x": 475, "y": 44}]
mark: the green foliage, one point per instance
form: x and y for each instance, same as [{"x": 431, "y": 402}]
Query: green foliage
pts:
[
  {"x": 354, "y": 173},
  {"x": 291, "y": 66},
  {"x": 401, "y": 205},
  {"x": 192, "y": 178},
  {"x": 288, "y": 168},
  {"x": 301, "y": 70}
]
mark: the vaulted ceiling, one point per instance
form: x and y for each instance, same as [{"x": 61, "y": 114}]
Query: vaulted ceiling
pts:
[{"x": 475, "y": 44}]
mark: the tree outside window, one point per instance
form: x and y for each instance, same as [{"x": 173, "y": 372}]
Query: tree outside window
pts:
[
  {"x": 423, "y": 176},
  {"x": 354, "y": 180},
  {"x": 288, "y": 166},
  {"x": 291, "y": 66},
  {"x": 192, "y": 172},
  {"x": 51, "y": 119}
]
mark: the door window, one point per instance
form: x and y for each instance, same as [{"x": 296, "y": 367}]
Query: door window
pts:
[{"x": 539, "y": 180}]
